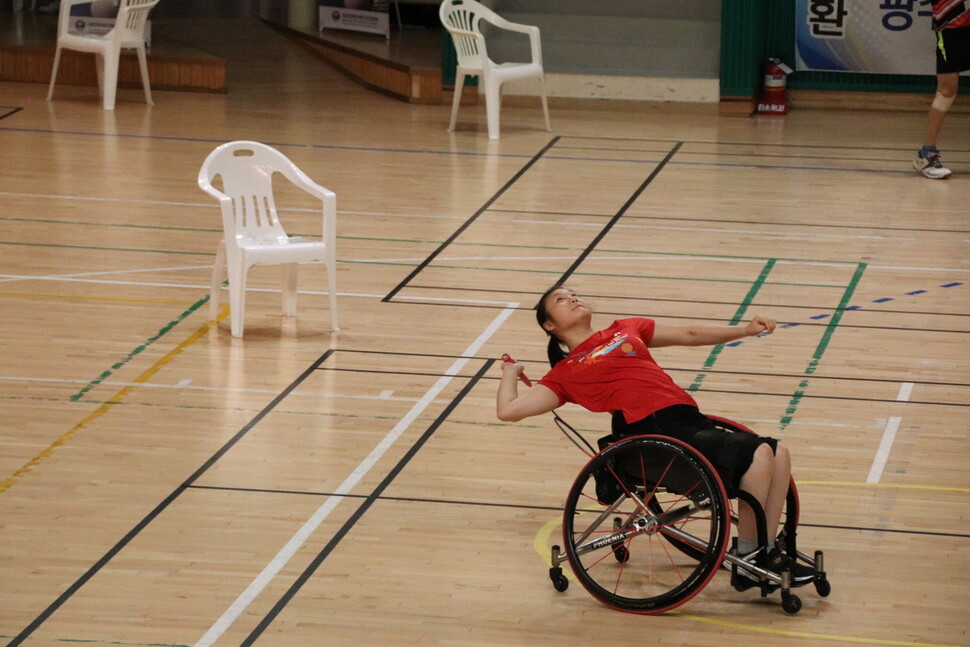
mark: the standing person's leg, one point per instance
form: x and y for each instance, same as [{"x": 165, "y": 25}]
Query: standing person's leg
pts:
[
  {"x": 946, "y": 92},
  {"x": 952, "y": 52},
  {"x": 928, "y": 160}
]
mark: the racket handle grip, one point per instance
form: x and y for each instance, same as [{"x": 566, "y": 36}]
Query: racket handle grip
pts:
[{"x": 508, "y": 360}]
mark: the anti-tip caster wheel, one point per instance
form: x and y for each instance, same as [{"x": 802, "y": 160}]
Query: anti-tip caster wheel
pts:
[
  {"x": 559, "y": 581},
  {"x": 822, "y": 586},
  {"x": 792, "y": 604}
]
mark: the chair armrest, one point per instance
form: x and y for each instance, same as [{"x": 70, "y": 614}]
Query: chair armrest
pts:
[
  {"x": 303, "y": 181},
  {"x": 531, "y": 30},
  {"x": 327, "y": 197}
]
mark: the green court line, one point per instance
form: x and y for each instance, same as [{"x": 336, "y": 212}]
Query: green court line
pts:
[
  {"x": 822, "y": 346},
  {"x": 130, "y": 356},
  {"x": 108, "y": 249},
  {"x": 738, "y": 315},
  {"x": 126, "y": 225},
  {"x": 82, "y": 641}
]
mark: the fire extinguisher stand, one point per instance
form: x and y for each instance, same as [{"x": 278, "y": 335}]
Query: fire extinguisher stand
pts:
[{"x": 774, "y": 92}]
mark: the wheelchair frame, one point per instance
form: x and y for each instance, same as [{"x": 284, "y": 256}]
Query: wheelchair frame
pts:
[{"x": 662, "y": 494}]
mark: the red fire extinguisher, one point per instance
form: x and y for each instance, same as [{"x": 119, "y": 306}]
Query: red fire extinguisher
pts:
[{"x": 774, "y": 93}]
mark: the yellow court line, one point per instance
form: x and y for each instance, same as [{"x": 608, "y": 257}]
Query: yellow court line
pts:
[
  {"x": 808, "y": 634},
  {"x": 71, "y": 296},
  {"x": 902, "y": 486},
  {"x": 541, "y": 544},
  {"x": 115, "y": 399}
]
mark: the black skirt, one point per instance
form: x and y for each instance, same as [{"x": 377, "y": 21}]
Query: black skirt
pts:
[{"x": 730, "y": 453}]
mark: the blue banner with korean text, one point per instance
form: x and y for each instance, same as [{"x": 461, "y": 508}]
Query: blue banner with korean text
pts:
[{"x": 871, "y": 36}]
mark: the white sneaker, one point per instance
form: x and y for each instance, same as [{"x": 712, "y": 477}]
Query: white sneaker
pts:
[{"x": 931, "y": 166}]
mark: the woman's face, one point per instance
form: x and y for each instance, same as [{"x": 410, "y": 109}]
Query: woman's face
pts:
[{"x": 565, "y": 308}]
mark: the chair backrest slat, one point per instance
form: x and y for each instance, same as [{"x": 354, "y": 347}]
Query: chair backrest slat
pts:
[
  {"x": 467, "y": 16},
  {"x": 246, "y": 173}
]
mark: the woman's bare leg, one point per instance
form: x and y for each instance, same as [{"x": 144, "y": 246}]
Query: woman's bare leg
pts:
[{"x": 767, "y": 481}]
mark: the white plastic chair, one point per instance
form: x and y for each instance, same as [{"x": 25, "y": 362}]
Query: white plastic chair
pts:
[
  {"x": 128, "y": 33},
  {"x": 252, "y": 231},
  {"x": 462, "y": 19}
]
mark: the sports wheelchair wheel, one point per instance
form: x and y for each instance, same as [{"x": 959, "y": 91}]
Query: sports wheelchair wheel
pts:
[{"x": 640, "y": 494}]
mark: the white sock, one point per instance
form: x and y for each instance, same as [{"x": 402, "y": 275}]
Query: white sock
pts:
[{"x": 746, "y": 546}]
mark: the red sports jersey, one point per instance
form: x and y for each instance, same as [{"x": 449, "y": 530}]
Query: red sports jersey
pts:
[
  {"x": 613, "y": 371},
  {"x": 951, "y": 14}
]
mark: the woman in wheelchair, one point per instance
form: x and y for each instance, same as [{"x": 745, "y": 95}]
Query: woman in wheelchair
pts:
[{"x": 612, "y": 370}]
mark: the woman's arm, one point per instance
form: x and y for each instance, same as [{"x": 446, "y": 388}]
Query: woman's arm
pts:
[
  {"x": 512, "y": 407},
  {"x": 695, "y": 335}
]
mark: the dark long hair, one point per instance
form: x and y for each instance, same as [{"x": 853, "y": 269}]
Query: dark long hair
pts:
[{"x": 554, "y": 350}]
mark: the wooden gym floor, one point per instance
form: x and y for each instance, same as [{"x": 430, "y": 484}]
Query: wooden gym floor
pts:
[{"x": 162, "y": 483}]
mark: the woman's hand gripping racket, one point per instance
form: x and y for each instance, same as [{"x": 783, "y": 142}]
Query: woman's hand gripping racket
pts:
[{"x": 564, "y": 426}]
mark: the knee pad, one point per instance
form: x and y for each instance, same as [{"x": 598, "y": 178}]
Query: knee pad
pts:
[{"x": 942, "y": 103}]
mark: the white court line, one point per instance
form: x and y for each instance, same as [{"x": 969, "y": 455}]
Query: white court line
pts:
[
  {"x": 249, "y": 289},
  {"x": 888, "y": 436},
  {"x": 275, "y": 565},
  {"x": 55, "y": 277}
]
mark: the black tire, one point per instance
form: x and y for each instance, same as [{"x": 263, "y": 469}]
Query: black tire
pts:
[
  {"x": 823, "y": 587},
  {"x": 791, "y": 603},
  {"x": 559, "y": 582},
  {"x": 681, "y": 495}
]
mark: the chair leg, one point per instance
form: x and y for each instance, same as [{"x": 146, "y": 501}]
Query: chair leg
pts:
[
  {"x": 237, "y": 297},
  {"x": 143, "y": 64},
  {"x": 110, "y": 86},
  {"x": 289, "y": 289},
  {"x": 57, "y": 61},
  {"x": 218, "y": 276},
  {"x": 99, "y": 66},
  {"x": 459, "y": 86},
  {"x": 493, "y": 105},
  {"x": 545, "y": 104},
  {"x": 332, "y": 280}
]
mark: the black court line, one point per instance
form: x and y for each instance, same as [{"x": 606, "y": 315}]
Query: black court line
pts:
[
  {"x": 737, "y": 143},
  {"x": 91, "y": 572},
  {"x": 747, "y": 154},
  {"x": 670, "y": 369},
  {"x": 732, "y": 221},
  {"x": 387, "y": 372},
  {"x": 790, "y": 306},
  {"x": 364, "y": 506},
  {"x": 6, "y": 111},
  {"x": 549, "y": 508},
  {"x": 619, "y": 214},
  {"x": 515, "y": 178},
  {"x": 806, "y": 324}
]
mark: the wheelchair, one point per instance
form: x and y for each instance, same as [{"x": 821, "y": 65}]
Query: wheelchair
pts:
[{"x": 647, "y": 524}]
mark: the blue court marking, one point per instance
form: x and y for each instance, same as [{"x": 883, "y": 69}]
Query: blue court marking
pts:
[{"x": 792, "y": 324}]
